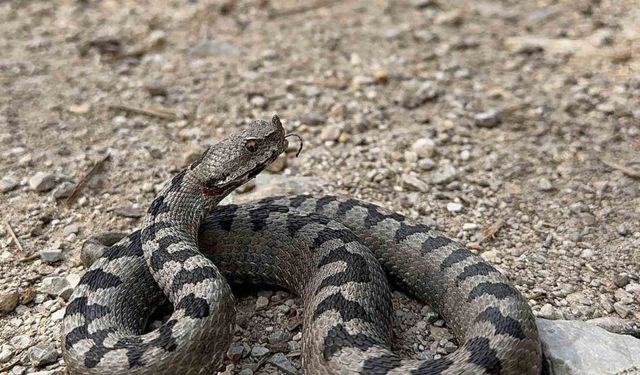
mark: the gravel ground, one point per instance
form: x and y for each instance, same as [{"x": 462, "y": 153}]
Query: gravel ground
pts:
[{"x": 513, "y": 126}]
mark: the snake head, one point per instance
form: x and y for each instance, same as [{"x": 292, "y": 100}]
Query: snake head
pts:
[{"x": 239, "y": 157}]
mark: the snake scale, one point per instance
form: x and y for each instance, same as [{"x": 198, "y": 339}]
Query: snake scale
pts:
[{"x": 335, "y": 252}]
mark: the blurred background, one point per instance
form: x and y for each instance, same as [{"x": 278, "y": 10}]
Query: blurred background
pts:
[{"x": 511, "y": 125}]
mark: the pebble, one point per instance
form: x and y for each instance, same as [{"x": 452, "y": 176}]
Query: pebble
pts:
[
  {"x": 426, "y": 164},
  {"x": 427, "y": 91},
  {"x": 547, "y": 311},
  {"x": 279, "y": 164},
  {"x": 94, "y": 246},
  {"x": 444, "y": 174},
  {"x": 57, "y": 315},
  {"x": 491, "y": 255},
  {"x": 212, "y": 47},
  {"x": 421, "y": 4},
  {"x": 259, "y": 351},
  {"x": 5, "y": 353},
  {"x": 262, "y": 302},
  {"x": 622, "y": 230},
  {"x": 424, "y": 147},
  {"x": 488, "y": 119},
  {"x": 70, "y": 229},
  {"x": 587, "y": 218},
  {"x": 21, "y": 342},
  {"x": 586, "y": 253},
  {"x": 258, "y": 101},
  {"x": 621, "y": 309},
  {"x": 73, "y": 279},
  {"x": 545, "y": 185},
  {"x": 41, "y": 355},
  {"x": 64, "y": 190},
  {"x": 246, "y": 371},
  {"x": 469, "y": 226},
  {"x": 313, "y": 118},
  {"x": 410, "y": 157},
  {"x": 42, "y": 181},
  {"x": 330, "y": 133},
  {"x": 156, "y": 88},
  {"x": 454, "y": 207},
  {"x": 235, "y": 352},
  {"x": 56, "y": 286},
  {"x": 414, "y": 183},
  {"x": 283, "y": 363},
  {"x": 51, "y": 255},
  {"x": 8, "y": 300},
  {"x": 278, "y": 337},
  {"x": 465, "y": 155},
  {"x": 449, "y": 347},
  {"x": 623, "y": 296},
  {"x": 7, "y": 183}
]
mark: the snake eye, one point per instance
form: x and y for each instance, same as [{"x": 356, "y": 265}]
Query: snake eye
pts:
[{"x": 251, "y": 145}]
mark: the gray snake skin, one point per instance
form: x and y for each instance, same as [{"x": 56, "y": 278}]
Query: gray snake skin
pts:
[{"x": 332, "y": 251}]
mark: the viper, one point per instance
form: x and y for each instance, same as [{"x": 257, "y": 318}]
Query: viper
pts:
[{"x": 337, "y": 253}]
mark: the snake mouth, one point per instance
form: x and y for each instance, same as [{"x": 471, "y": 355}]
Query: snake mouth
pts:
[{"x": 225, "y": 187}]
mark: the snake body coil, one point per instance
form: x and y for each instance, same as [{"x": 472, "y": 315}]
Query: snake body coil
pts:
[{"x": 317, "y": 247}]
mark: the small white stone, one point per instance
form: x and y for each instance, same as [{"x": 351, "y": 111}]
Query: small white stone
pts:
[
  {"x": 545, "y": 185},
  {"x": 454, "y": 207},
  {"x": 469, "y": 226},
  {"x": 424, "y": 147},
  {"x": 119, "y": 121},
  {"x": 465, "y": 155},
  {"x": 21, "y": 342},
  {"x": 70, "y": 229},
  {"x": 5, "y": 353},
  {"x": 58, "y": 315},
  {"x": 488, "y": 119},
  {"x": 73, "y": 279},
  {"x": 410, "y": 156},
  {"x": 547, "y": 311}
]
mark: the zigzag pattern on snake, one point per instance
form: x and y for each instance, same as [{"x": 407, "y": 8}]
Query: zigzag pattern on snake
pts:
[{"x": 332, "y": 251}]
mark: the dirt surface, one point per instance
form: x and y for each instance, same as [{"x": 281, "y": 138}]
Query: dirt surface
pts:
[{"x": 513, "y": 126}]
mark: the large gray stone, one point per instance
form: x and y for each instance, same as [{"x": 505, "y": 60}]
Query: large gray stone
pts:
[{"x": 580, "y": 348}]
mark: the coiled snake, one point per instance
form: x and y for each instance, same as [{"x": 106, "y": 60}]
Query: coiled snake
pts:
[{"x": 317, "y": 247}]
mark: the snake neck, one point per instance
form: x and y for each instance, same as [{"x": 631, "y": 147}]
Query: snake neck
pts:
[{"x": 179, "y": 206}]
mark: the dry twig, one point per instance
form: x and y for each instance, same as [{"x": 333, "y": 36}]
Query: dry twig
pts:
[
  {"x": 622, "y": 168},
  {"x": 302, "y": 9},
  {"x": 14, "y": 237},
  {"x": 83, "y": 182},
  {"x": 29, "y": 258},
  {"x": 162, "y": 113}
]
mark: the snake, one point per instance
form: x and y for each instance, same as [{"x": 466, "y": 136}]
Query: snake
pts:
[{"x": 340, "y": 254}]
